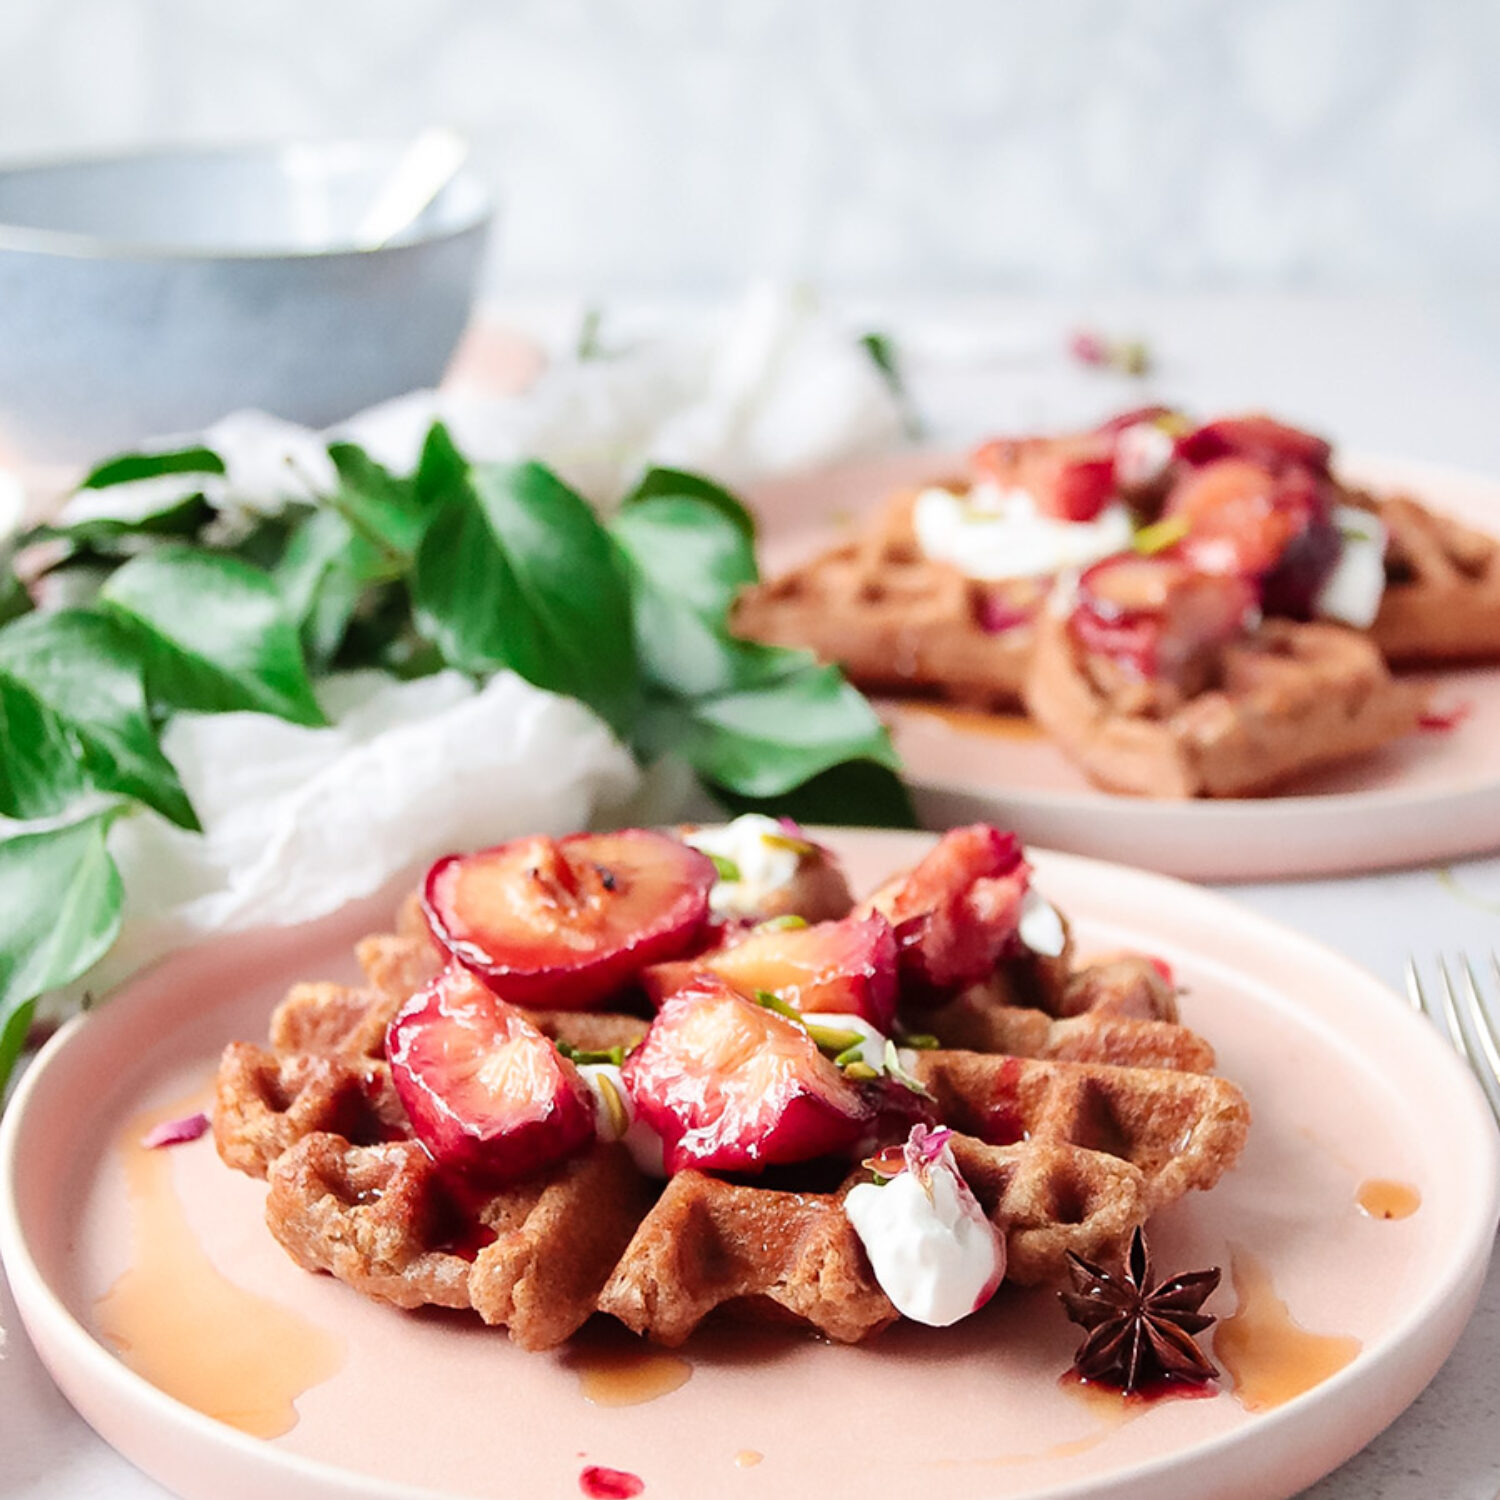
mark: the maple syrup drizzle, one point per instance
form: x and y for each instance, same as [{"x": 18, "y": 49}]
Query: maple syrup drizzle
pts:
[
  {"x": 1269, "y": 1355},
  {"x": 747, "y": 1458},
  {"x": 971, "y": 721},
  {"x": 1379, "y": 1198},
  {"x": 628, "y": 1377},
  {"x": 173, "y": 1319}
]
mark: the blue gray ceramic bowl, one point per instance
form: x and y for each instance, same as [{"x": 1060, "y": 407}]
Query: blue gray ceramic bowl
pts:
[{"x": 152, "y": 294}]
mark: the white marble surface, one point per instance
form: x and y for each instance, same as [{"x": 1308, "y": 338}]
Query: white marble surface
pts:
[
  {"x": 1399, "y": 377},
  {"x": 970, "y": 144}
]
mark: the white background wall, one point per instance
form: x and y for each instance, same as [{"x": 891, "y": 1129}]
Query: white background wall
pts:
[{"x": 875, "y": 145}]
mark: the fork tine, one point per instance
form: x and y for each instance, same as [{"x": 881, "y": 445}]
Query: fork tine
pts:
[
  {"x": 1480, "y": 1036},
  {"x": 1449, "y": 1012},
  {"x": 1415, "y": 995}
]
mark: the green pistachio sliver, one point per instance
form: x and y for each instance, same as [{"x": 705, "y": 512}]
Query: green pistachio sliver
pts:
[
  {"x": 1160, "y": 535},
  {"x": 614, "y": 1055},
  {"x": 614, "y": 1105},
  {"x": 800, "y": 847},
  {"x": 787, "y": 922},
  {"x": 833, "y": 1040},
  {"x": 851, "y": 1054},
  {"x": 725, "y": 868},
  {"x": 861, "y": 1072},
  {"x": 921, "y": 1041},
  {"x": 767, "y": 1001},
  {"x": 895, "y": 1070}
]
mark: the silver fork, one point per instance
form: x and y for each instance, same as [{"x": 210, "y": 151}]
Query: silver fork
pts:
[{"x": 1457, "y": 1010}]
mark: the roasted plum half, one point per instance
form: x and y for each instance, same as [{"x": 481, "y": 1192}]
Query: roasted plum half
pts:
[
  {"x": 1071, "y": 478},
  {"x": 955, "y": 914},
  {"x": 488, "y": 1095},
  {"x": 732, "y": 1086},
  {"x": 845, "y": 968},
  {"x": 1159, "y": 619},
  {"x": 558, "y": 924}
]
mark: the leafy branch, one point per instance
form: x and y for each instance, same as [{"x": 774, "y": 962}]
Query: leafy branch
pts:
[{"x": 482, "y": 568}]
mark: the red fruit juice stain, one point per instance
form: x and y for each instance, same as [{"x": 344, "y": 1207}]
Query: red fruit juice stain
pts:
[
  {"x": 1004, "y": 1123},
  {"x": 1443, "y": 723},
  {"x": 1109, "y": 1398},
  {"x": 609, "y": 1484}
]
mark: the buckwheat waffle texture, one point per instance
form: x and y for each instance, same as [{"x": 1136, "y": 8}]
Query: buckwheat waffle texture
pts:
[
  {"x": 897, "y": 621},
  {"x": 1291, "y": 697},
  {"x": 1442, "y": 594},
  {"x": 1064, "y": 1154}
]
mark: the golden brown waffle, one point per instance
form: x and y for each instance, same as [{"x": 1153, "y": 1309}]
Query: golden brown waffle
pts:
[
  {"x": 1292, "y": 697},
  {"x": 895, "y": 620},
  {"x": 709, "y": 1244},
  {"x": 532, "y": 1258},
  {"x": 1072, "y": 1156},
  {"x": 1442, "y": 595},
  {"x": 1107, "y": 1119}
]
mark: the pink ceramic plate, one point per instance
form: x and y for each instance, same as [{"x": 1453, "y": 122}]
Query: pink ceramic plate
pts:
[
  {"x": 1434, "y": 797},
  {"x": 1347, "y": 1089}
]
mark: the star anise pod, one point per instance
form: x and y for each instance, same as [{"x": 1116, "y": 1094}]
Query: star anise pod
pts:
[{"x": 1139, "y": 1333}]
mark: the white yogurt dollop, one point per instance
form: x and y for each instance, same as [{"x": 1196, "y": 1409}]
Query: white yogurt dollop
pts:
[
  {"x": 1353, "y": 590},
  {"x": 764, "y": 857},
  {"x": 993, "y": 533},
  {"x": 1143, "y": 452},
  {"x": 615, "y": 1117},
  {"x": 933, "y": 1251}
]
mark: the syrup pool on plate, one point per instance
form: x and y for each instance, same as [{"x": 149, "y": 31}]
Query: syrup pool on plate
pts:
[
  {"x": 1269, "y": 1356},
  {"x": 1380, "y": 1198},
  {"x": 174, "y": 1319}
]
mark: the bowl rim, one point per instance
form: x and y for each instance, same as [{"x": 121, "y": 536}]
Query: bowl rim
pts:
[{"x": 83, "y": 245}]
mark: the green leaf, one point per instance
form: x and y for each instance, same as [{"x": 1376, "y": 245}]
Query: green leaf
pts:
[
  {"x": 687, "y": 548},
  {"x": 517, "y": 572},
  {"x": 763, "y": 741},
  {"x": 215, "y": 635},
  {"x": 14, "y": 600},
  {"x": 325, "y": 576},
  {"x": 656, "y": 483},
  {"x": 857, "y": 794},
  {"x": 87, "y": 671},
  {"x": 442, "y": 471},
  {"x": 106, "y": 536},
  {"x": 60, "y": 900},
  {"x": 40, "y": 763},
  {"x": 129, "y": 467},
  {"x": 381, "y": 508}
]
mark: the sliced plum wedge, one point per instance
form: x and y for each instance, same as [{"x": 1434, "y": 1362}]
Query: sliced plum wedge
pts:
[
  {"x": 730, "y": 1085},
  {"x": 558, "y": 924},
  {"x": 844, "y": 968},
  {"x": 955, "y": 914},
  {"x": 489, "y": 1096}
]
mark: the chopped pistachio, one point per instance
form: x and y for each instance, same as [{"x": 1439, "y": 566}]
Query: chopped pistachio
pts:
[
  {"x": 726, "y": 868},
  {"x": 852, "y": 1054},
  {"x": 619, "y": 1115},
  {"x": 615, "y": 1055},
  {"x": 767, "y": 1001},
  {"x": 921, "y": 1041},
  {"x": 800, "y": 847},
  {"x": 834, "y": 1040},
  {"x": 861, "y": 1072},
  {"x": 787, "y": 922},
  {"x": 1160, "y": 535}
]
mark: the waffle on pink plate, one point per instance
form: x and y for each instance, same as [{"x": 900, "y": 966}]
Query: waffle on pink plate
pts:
[
  {"x": 668, "y": 1077},
  {"x": 1187, "y": 610}
]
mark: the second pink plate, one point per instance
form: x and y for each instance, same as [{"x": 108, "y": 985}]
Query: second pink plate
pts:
[
  {"x": 132, "y": 1267},
  {"x": 1432, "y": 798}
]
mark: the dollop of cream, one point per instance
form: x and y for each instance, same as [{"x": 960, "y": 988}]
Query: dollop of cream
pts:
[
  {"x": 1041, "y": 926},
  {"x": 615, "y": 1117},
  {"x": 933, "y": 1251},
  {"x": 993, "y": 533},
  {"x": 1143, "y": 452},
  {"x": 764, "y": 856},
  {"x": 1353, "y": 590}
]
